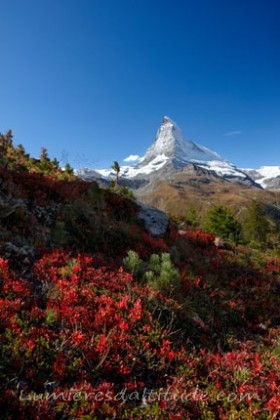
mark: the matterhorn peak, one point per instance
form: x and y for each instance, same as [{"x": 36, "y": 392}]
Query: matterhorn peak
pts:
[
  {"x": 167, "y": 120},
  {"x": 170, "y": 144},
  {"x": 170, "y": 152}
]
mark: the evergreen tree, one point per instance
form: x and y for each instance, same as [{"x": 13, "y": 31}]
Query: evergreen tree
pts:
[
  {"x": 68, "y": 169},
  {"x": 191, "y": 218},
  {"x": 2, "y": 147},
  {"x": 116, "y": 168},
  {"x": 9, "y": 137},
  {"x": 55, "y": 163},
  {"x": 256, "y": 225},
  {"x": 6, "y": 142},
  {"x": 21, "y": 149},
  {"x": 126, "y": 192},
  {"x": 45, "y": 163},
  {"x": 222, "y": 222},
  {"x": 44, "y": 154}
]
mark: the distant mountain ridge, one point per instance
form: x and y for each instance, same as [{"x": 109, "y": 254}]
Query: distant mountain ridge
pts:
[{"x": 268, "y": 177}]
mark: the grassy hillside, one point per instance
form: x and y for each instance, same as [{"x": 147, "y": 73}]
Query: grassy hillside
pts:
[{"x": 100, "y": 320}]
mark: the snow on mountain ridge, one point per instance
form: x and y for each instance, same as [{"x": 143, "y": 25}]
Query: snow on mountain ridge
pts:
[
  {"x": 263, "y": 175},
  {"x": 131, "y": 171}
]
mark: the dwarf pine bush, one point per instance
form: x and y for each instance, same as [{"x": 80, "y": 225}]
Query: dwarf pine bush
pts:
[
  {"x": 133, "y": 263},
  {"x": 155, "y": 264},
  {"x": 51, "y": 316},
  {"x": 162, "y": 276}
]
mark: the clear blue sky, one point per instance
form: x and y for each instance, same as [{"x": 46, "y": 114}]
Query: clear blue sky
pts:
[{"x": 92, "y": 79}]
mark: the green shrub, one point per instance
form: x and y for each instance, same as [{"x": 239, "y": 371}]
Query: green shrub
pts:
[
  {"x": 126, "y": 192},
  {"x": 132, "y": 263},
  {"x": 163, "y": 276}
]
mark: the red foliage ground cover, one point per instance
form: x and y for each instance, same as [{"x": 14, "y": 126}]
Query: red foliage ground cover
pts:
[
  {"x": 90, "y": 333},
  {"x": 81, "y": 337}
]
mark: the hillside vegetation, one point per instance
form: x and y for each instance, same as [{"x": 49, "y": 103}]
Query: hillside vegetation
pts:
[{"x": 101, "y": 320}]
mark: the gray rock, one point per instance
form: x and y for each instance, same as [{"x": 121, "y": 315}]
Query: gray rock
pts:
[
  {"x": 45, "y": 215},
  {"x": 156, "y": 221},
  {"x": 9, "y": 205},
  {"x": 9, "y": 249}
]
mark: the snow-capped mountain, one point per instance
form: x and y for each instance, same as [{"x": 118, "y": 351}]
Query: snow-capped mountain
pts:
[
  {"x": 169, "y": 153},
  {"x": 171, "y": 144},
  {"x": 267, "y": 177}
]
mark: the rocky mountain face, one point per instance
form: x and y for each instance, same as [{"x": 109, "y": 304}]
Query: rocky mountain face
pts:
[{"x": 170, "y": 144}]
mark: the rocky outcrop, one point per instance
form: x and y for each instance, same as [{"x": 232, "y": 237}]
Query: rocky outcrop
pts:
[
  {"x": 155, "y": 221},
  {"x": 9, "y": 205}
]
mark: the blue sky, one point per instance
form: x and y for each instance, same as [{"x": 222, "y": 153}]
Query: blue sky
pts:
[{"x": 91, "y": 79}]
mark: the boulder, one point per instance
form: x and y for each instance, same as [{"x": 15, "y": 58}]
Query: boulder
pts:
[{"x": 156, "y": 221}]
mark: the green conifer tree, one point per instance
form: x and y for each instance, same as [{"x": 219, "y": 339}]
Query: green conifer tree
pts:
[
  {"x": 68, "y": 169},
  {"x": 191, "y": 218},
  {"x": 116, "y": 168},
  {"x": 256, "y": 225},
  {"x": 44, "y": 154},
  {"x": 222, "y": 222}
]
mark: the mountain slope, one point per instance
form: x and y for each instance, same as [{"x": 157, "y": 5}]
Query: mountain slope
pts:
[{"x": 101, "y": 320}]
